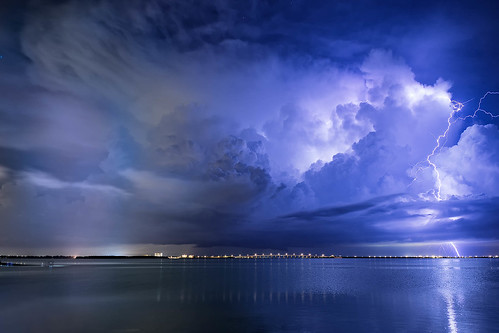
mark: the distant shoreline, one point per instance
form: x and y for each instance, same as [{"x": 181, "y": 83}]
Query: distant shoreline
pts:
[{"x": 196, "y": 257}]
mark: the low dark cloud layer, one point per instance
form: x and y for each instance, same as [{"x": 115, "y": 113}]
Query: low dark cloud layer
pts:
[{"x": 252, "y": 125}]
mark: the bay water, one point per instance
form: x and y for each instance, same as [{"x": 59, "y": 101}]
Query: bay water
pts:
[{"x": 252, "y": 295}]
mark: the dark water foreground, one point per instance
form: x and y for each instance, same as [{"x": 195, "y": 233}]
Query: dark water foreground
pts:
[{"x": 248, "y": 295}]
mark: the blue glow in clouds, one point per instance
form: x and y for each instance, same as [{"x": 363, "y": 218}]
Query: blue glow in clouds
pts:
[
  {"x": 456, "y": 107},
  {"x": 179, "y": 127}
]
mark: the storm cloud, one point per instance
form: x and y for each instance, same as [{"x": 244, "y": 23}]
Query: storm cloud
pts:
[{"x": 251, "y": 125}]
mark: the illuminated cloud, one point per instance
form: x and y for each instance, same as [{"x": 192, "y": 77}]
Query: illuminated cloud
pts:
[
  {"x": 471, "y": 167},
  {"x": 222, "y": 124}
]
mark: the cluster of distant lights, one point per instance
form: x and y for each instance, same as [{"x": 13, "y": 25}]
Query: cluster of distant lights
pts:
[
  {"x": 303, "y": 256},
  {"x": 254, "y": 256}
]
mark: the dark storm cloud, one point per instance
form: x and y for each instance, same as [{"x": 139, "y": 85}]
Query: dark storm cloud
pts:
[
  {"x": 331, "y": 212},
  {"x": 255, "y": 124},
  {"x": 397, "y": 219},
  {"x": 66, "y": 165}
]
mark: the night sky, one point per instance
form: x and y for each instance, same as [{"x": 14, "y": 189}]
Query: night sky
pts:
[{"x": 211, "y": 127}]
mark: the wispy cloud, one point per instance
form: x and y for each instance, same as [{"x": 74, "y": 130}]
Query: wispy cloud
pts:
[{"x": 46, "y": 181}]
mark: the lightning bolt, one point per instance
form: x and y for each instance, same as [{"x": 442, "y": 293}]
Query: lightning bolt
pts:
[
  {"x": 455, "y": 248},
  {"x": 456, "y": 107}
]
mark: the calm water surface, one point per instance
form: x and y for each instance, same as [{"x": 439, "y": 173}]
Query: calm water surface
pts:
[{"x": 248, "y": 295}]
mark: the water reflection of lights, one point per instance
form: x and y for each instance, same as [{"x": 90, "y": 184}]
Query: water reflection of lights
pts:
[
  {"x": 160, "y": 282},
  {"x": 451, "y": 313},
  {"x": 450, "y": 291},
  {"x": 187, "y": 296}
]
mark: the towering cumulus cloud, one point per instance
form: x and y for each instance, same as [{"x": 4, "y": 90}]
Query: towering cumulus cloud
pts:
[{"x": 127, "y": 127}]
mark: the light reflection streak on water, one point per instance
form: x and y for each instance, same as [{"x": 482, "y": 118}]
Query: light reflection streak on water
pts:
[
  {"x": 450, "y": 291},
  {"x": 451, "y": 314},
  {"x": 160, "y": 282}
]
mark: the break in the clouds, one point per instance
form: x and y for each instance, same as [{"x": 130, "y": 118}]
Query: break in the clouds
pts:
[{"x": 247, "y": 125}]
